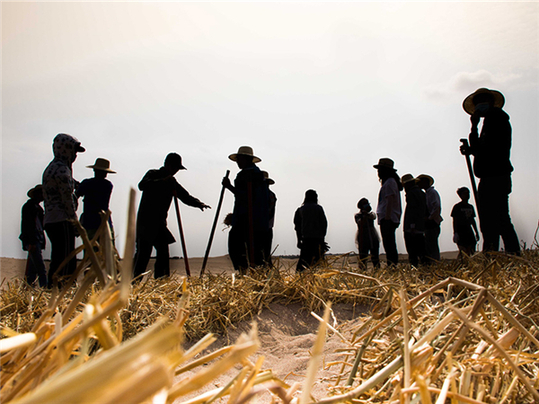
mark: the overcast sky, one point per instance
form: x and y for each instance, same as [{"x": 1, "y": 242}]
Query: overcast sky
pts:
[{"x": 321, "y": 91}]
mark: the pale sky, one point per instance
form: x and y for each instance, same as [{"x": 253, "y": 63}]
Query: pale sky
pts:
[{"x": 321, "y": 91}]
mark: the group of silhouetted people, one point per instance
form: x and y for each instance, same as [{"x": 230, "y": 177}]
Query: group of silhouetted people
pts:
[{"x": 251, "y": 234}]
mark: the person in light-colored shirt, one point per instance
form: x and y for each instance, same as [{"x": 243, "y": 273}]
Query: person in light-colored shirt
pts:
[{"x": 389, "y": 209}]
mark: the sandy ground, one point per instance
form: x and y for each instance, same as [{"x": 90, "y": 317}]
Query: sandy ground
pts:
[{"x": 286, "y": 333}]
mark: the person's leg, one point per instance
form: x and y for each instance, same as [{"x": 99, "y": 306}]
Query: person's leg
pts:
[
  {"x": 388, "y": 229},
  {"x": 237, "y": 250},
  {"x": 62, "y": 238},
  {"x": 37, "y": 266},
  {"x": 30, "y": 274},
  {"x": 142, "y": 256},
  {"x": 507, "y": 230},
  {"x": 432, "y": 248},
  {"x": 411, "y": 248},
  {"x": 489, "y": 214},
  {"x": 162, "y": 262},
  {"x": 375, "y": 253}
]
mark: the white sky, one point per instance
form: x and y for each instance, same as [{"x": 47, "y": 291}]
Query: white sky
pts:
[{"x": 321, "y": 91}]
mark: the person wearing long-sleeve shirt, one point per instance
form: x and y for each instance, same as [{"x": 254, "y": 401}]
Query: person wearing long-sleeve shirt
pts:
[
  {"x": 158, "y": 188},
  {"x": 33, "y": 237},
  {"x": 61, "y": 204},
  {"x": 311, "y": 226},
  {"x": 491, "y": 150}
]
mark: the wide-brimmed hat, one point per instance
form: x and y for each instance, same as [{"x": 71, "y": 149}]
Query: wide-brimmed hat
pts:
[
  {"x": 267, "y": 178},
  {"x": 426, "y": 177},
  {"x": 406, "y": 178},
  {"x": 32, "y": 192},
  {"x": 385, "y": 163},
  {"x": 468, "y": 103},
  {"x": 102, "y": 165},
  {"x": 245, "y": 151}
]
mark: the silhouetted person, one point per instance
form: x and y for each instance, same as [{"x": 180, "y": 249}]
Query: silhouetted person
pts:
[
  {"x": 367, "y": 237},
  {"x": 465, "y": 234},
  {"x": 250, "y": 218},
  {"x": 61, "y": 204},
  {"x": 33, "y": 237},
  {"x": 96, "y": 192},
  {"x": 434, "y": 218},
  {"x": 491, "y": 150},
  {"x": 414, "y": 220},
  {"x": 272, "y": 204},
  {"x": 389, "y": 210},
  {"x": 158, "y": 188},
  {"x": 311, "y": 226}
]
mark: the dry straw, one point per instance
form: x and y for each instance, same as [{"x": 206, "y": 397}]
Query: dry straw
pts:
[{"x": 464, "y": 331}]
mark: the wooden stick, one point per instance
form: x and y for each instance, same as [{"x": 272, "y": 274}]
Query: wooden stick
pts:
[
  {"x": 182, "y": 238},
  {"x": 212, "y": 233}
]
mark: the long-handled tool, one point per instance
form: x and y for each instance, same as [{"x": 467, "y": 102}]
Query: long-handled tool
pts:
[
  {"x": 470, "y": 172},
  {"x": 212, "y": 233},
  {"x": 182, "y": 238}
]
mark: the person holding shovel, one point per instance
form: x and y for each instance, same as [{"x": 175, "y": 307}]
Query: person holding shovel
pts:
[
  {"x": 250, "y": 217},
  {"x": 492, "y": 165},
  {"x": 158, "y": 188}
]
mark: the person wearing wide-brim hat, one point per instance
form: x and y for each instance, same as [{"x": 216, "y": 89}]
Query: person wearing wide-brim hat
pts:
[
  {"x": 250, "y": 217},
  {"x": 389, "y": 208},
  {"x": 415, "y": 214},
  {"x": 33, "y": 237},
  {"x": 434, "y": 218},
  {"x": 492, "y": 165},
  {"x": 96, "y": 192}
]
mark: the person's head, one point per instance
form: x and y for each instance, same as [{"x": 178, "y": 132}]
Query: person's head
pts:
[
  {"x": 65, "y": 147},
  {"x": 310, "y": 196},
  {"x": 482, "y": 100},
  {"x": 36, "y": 193},
  {"x": 425, "y": 181},
  {"x": 463, "y": 193},
  {"x": 385, "y": 168},
  {"x": 408, "y": 181},
  {"x": 173, "y": 163},
  {"x": 101, "y": 168},
  {"x": 244, "y": 157},
  {"x": 269, "y": 181},
  {"x": 364, "y": 205}
]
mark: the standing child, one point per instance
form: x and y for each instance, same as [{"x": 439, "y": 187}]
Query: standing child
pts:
[
  {"x": 367, "y": 236},
  {"x": 311, "y": 226},
  {"x": 96, "y": 192},
  {"x": 33, "y": 237},
  {"x": 465, "y": 233}
]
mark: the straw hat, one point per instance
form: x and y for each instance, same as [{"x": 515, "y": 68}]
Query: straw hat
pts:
[
  {"x": 37, "y": 188},
  {"x": 245, "y": 151},
  {"x": 469, "y": 105},
  {"x": 385, "y": 163},
  {"x": 267, "y": 178},
  {"x": 102, "y": 165},
  {"x": 426, "y": 177},
  {"x": 406, "y": 178}
]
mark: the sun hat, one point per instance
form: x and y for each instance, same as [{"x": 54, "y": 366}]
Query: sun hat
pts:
[
  {"x": 267, "y": 178},
  {"x": 245, "y": 151},
  {"x": 33, "y": 191},
  {"x": 468, "y": 103},
  {"x": 426, "y": 177},
  {"x": 385, "y": 163},
  {"x": 406, "y": 178},
  {"x": 102, "y": 165}
]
